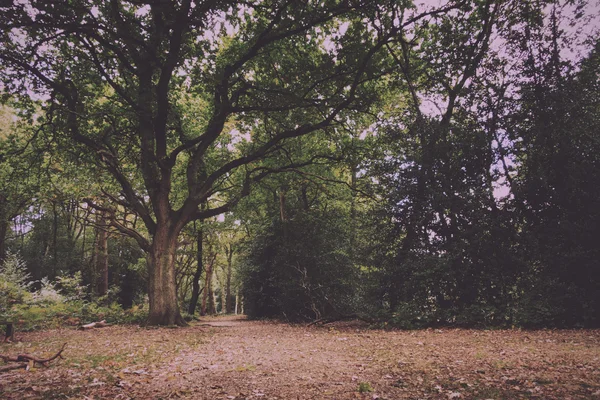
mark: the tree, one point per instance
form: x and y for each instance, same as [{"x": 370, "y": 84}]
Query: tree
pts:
[
  {"x": 148, "y": 91},
  {"x": 20, "y": 169},
  {"x": 556, "y": 131},
  {"x": 433, "y": 173},
  {"x": 114, "y": 74}
]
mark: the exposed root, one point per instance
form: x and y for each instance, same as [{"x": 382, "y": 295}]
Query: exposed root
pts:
[{"x": 178, "y": 320}]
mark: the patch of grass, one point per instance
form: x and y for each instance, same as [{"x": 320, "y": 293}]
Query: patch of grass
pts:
[
  {"x": 245, "y": 368},
  {"x": 502, "y": 364},
  {"x": 96, "y": 360},
  {"x": 365, "y": 387}
]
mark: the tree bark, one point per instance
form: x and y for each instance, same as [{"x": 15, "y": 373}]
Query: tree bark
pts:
[
  {"x": 228, "y": 305},
  {"x": 101, "y": 258},
  {"x": 54, "y": 239},
  {"x": 237, "y": 300},
  {"x": 208, "y": 302},
  {"x": 3, "y": 232},
  {"x": 162, "y": 288},
  {"x": 282, "y": 214},
  {"x": 197, "y": 274}
]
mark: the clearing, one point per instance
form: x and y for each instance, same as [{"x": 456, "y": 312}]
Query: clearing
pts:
[{"x": 231, "y": 358}]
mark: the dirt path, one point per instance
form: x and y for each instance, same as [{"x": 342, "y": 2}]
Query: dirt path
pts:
[{"x": 225, "y": 358}]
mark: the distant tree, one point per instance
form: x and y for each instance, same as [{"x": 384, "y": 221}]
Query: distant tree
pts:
[
  {"x": 21, "y": 169},
  {"x": 558, "y": 184}
]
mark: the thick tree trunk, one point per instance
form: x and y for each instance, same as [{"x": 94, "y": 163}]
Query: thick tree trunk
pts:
[
  {"x": 197, "y": 275},
  {"x": 162, "y": 287}
]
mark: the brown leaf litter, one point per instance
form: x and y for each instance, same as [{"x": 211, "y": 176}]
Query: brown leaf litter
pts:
[{"x": 234, "y": 359}]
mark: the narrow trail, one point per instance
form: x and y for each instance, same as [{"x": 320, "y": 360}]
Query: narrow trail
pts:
[
  {"x": 232, "y": 358},
  {"x": 246, "y": 359}
]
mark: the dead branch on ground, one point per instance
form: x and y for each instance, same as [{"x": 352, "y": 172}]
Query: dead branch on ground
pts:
[
  {"x": 10, "y": 367},
  {"x": 24, "y": 360},
  {"x": 99, "y": 324}
]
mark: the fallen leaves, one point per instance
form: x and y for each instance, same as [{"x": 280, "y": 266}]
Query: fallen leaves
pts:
[{"x": 265, "y": 360}]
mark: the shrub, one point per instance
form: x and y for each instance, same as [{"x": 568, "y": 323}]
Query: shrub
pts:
[
  {"x": 14, "y": 284},
  {"x": 72, "y": 287},
  {"x": 73, "y": 313},
  {"x": 299, "y": 270},
  {"x": 48, "y": 294}
]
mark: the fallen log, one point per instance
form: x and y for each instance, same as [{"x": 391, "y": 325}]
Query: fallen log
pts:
[
  {"x": 24, "y": 360},
  {"x": 99, "y": 324}
]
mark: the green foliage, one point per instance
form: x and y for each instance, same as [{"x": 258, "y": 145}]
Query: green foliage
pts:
[
  {"x": 47, "y": 294},
  {"x": 71, "y": 286},
  {"x": 310, "y": 124},
  {"x": 55, "y": 304},
  {"x": 365, "y": 387},
  {"x": 14, "y": 283},
  {"x": 296, "y": 270},
  {"x": 74, "y": 313}
]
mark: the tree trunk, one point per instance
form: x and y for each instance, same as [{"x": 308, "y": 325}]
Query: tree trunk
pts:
[
  {"x": 282, "y": 213},
  {"x": 102, "y": 256},
  {"x": 237, "y": 299},
  {"x": 228, "y": 305},
  {"x": 3, "y": 232},
  {"x": 197, "y": 274},
  {"x": 162, "y": 288},
  {"x": 208, "y": 301},
  {"x": 54, "y": 240}
]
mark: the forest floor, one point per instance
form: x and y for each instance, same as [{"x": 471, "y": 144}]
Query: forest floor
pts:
[{"x": 231, "y": 358}]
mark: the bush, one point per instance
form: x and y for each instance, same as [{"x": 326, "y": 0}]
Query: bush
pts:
[
  {"x": 55, "y": 304},
  {"x": 14, "y": 284},
  {"x": 299, "y": 270},
  {"x": 72, "y": 287},
  {"x": 48, "y": 294},
  {"x": 74, "y": 313}
]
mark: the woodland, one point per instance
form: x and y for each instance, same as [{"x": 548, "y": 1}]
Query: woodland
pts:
[
  {"x": 408, "y": 165},
  {"x": 300, "y": 199}
]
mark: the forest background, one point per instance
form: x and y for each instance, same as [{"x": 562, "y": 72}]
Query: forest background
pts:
[{"x": 408, "y": 165}]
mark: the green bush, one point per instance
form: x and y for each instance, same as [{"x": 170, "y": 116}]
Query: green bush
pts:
[
  {"x": 74, "y": 313},
  {"x": 72, "y": 287},
  {"x": 55, "y": 304},
  {"x": 299, "y": 270},
  {"x": 48, "y": 294},
  {"x": 14, "y": 284}
]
